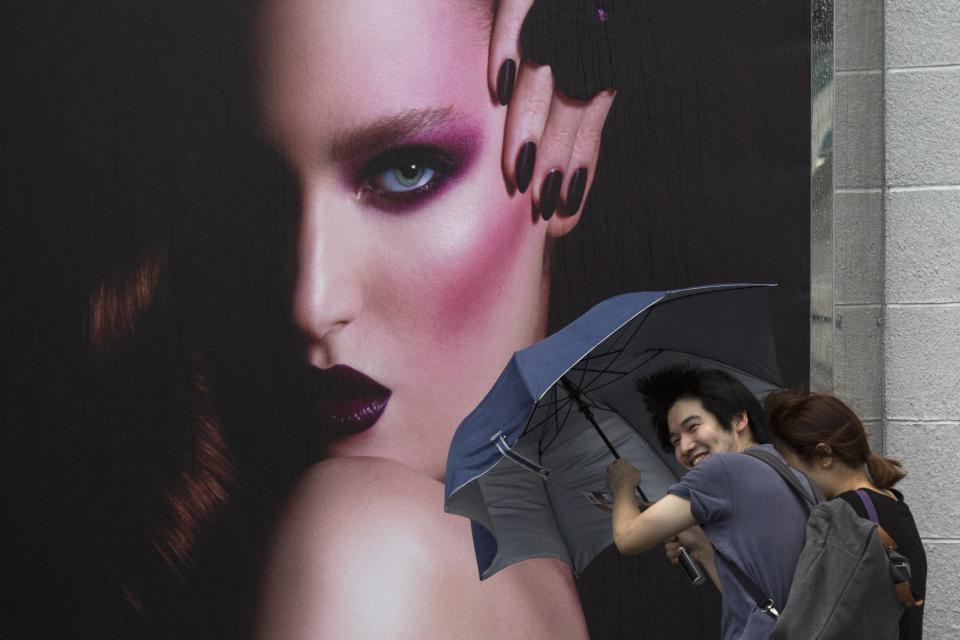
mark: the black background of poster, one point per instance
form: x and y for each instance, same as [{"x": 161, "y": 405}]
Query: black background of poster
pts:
[
  {"x": 704, "y": 178},
  {"x": 125, "y": 128}
]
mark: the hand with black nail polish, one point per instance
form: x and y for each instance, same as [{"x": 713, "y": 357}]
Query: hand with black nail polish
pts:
[
  {"x": 505, "y": 79},
  {"x": 526, "y": 159},
  {"x": 550, "y": 193},
  {"x": 575, "y": 191},
  {"x": 550, "y": 139}
]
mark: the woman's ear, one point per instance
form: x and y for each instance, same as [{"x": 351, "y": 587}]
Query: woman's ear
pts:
[{"x": 823, "y": 455}]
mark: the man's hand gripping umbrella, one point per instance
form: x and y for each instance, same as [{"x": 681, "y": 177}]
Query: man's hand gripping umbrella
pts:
[{"x": 622, "y": 474}]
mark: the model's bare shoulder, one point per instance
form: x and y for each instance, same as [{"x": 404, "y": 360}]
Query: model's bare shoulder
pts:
[{"x": 363, "y": 549}]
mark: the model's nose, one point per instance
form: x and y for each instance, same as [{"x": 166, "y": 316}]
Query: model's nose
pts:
[{"x": 328, "y": 293}]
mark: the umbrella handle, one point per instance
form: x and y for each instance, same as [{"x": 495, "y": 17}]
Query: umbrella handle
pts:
[
  {"x": 690, "y": 566},
  {"x": 692, "y": 569}
]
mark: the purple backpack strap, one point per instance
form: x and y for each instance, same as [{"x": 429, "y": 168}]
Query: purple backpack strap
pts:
[{"x": 868, "y": 505}]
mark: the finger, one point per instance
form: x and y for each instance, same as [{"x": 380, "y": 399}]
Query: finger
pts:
[
  {"x": 553, "y": 155},
  {"x": 586, "y": 149},
  {"x": 505, "y": 48},
  {"x": 525, "y": 121},
  {"x": 673, "y": 553}
]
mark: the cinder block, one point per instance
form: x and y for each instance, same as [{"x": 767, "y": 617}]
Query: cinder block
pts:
[
  {"x": 922, "y": 32},
  {"x": 923, "y": 127},
  {"x": 858, "y": 359},
  {"x": 858, "y": 133},
  {"x": 922, "y": 362},
  {"x": 875, "y": 435},
  {"x": 941, "y": 616},
  {"x": 927, "y": 451},
  {"x": 858, "y": 257},
  {"x": 858, "y": 34},
  {"x": 923, "y": 230}
]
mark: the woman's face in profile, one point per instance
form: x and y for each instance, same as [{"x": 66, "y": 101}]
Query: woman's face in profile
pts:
[{"x": 418, "y": 272}]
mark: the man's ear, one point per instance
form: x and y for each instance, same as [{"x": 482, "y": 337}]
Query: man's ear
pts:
[{"x": 741, "y": 422}]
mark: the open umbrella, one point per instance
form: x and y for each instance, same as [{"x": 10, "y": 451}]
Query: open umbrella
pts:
[{"x": 526, "y": 464}]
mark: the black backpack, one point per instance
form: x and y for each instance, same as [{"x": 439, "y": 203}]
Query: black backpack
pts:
[{"x": 849, "y": 582}]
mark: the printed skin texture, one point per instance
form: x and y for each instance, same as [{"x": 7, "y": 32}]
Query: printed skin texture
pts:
[{"x": 420, "y": 269}]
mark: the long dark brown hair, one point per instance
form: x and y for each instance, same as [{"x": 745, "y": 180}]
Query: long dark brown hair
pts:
[
  {"x": 175, "y": 465},
  {"x": 816, "y": 424}
]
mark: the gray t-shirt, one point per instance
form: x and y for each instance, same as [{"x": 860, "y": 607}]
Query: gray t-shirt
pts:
[{"x": 756, "y": 521}]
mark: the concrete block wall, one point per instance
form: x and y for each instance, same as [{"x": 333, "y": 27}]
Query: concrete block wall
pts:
[
  {"x": 921, "y": 338},
  {"x": 896, "y": 258},
  {"x": 858, "y": 213}
]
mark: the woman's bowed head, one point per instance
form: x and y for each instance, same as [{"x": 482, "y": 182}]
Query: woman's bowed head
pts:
[
  {"x": 420, "y": 270},
  {"x": 824, "y": 438}
]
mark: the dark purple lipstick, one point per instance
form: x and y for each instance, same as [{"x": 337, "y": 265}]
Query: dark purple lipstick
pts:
[{"x": 346, "y": 401}]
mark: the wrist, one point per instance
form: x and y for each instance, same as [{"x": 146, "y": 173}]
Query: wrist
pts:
[{"x": 624, "y": 486}]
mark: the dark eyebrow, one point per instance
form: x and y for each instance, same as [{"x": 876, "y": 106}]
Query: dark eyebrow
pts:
[
  {"x": 688, "y": 419},
  {"x": 375, "y": 137}
]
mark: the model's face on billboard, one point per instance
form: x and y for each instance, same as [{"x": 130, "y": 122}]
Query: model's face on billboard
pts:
[{"x": 418, "y": 272}]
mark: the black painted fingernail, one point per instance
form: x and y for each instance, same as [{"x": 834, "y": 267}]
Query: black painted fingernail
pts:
[
  {"x": 505, "y": 79},
  {"x": 578, "y": 184},
  {"x": 525, "y": 161},
  {"x": 550, "y": 193}
]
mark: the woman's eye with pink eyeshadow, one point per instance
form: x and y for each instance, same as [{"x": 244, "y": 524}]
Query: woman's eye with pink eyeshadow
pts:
[{"x": 405, "y": 175}]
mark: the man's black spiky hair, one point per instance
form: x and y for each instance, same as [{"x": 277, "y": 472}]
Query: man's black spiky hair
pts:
[{"x": 720, "y": 393}]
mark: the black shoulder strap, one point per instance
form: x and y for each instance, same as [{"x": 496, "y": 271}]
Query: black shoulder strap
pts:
[
  {"x": 764, "y": 602},
  {"x": 759, "y": 596},
  {"x": 791, "y": 479}
]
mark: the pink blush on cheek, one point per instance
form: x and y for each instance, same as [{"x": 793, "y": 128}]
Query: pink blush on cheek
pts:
[{"x": 478, "y": 281}]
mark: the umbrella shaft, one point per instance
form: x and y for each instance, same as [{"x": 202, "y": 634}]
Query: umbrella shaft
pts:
[
  {"x": 585, "y": 410},
  {"x": 604, "y": 436}
]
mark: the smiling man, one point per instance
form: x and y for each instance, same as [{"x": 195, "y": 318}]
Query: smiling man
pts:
[{"x": 746, "y": 512}]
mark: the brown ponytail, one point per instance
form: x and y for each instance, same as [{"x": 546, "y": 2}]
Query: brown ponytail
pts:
[
  {"x": 885, "y": 472},
  {"x": 806, "y": 421}
]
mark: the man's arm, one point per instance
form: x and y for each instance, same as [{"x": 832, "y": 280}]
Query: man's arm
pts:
[{"x": 633, "y": 531}]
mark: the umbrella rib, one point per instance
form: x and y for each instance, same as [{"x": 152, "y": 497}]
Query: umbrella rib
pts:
[
  {"x": 540, "y": 446},
  {"x": 558, "y": 407},
  {"x": 539, "y": 425},
  {"x": 590, "y": 386},
  {"x": 543, "y": 447},
  {"x": 606, "y": 354},
  {"x": 621, "y": 342},
  {"x": 600, "y": 371},
  {"x": 652, "y": 355}
]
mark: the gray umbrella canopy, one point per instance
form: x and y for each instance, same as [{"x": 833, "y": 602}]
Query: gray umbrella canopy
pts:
[{"x": 523, "y": 465}]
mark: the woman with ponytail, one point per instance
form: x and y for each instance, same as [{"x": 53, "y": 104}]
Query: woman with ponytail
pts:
[{"x": 823, "y": 437}]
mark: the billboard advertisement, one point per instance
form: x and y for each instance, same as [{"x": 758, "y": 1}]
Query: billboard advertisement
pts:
[{"x": 260, "y": 259}]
